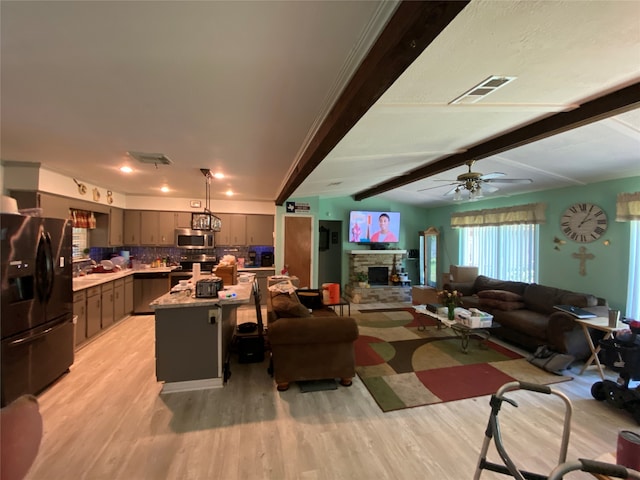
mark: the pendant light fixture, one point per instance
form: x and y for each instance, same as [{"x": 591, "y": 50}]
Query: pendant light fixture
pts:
[{"x": 206, "y": 220}]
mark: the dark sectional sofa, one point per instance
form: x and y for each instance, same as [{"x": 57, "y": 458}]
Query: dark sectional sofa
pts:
[{"x": 526, "y": 314}]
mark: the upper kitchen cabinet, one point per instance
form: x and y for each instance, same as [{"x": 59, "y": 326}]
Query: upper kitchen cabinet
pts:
[
  {"x": 233, "y": 230},
  {"x": 259, "y": 229},
  {"x": 109, "y": 229},
  {"x": 132, "y": 227},
  {"x": 157, "y": 228},
  {"x": 52, "y": 206},
  {"x": 183, "y": 219}
]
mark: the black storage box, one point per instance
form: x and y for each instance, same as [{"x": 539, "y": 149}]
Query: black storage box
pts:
[{"x": 250, "y": 349}]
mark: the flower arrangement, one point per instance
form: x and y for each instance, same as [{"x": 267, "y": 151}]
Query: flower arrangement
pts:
[
  {"x": 450, "y": 299},
  {"x": 361, "y": 277}
]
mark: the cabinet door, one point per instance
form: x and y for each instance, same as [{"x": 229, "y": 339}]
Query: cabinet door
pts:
[
  {"x": 166, "y": 228},
  {"x": 118, "y": 300},
  {"x": 116, "y": 223},
  {"x": 148, "y": 227},
  {"x": 107, "y": 304},
  {"x": 260, "y": 230},
  {"x": 183, "y": 219},
  {"x": 53, "y": 206},
  {"x": 132, "y": 227},
  {"x": 94, "y": 312},
  {"x": 80, "y": 311},
  {"x": 128, "y": 295},
  {"x": 233, "y": 231}
]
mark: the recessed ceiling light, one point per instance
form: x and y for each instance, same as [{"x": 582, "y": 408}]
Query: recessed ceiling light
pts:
[
  {"x": 218, "y": 175},
  {"x": 229, "y": 193},
  {"x": 126, "y": 169},
  {"x": 165, "y": 189}
]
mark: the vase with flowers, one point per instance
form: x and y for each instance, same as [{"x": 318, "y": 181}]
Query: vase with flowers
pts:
[{"x": 450, "y": 300}]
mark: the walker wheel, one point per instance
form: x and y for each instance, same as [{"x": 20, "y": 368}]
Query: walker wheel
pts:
[{"x": 597, "y": 391}]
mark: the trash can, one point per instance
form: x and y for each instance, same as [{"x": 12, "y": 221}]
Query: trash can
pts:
[{"x": 330, "y": 293}]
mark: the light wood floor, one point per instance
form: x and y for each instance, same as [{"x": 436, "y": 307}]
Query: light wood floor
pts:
[{"x": 106, "y": 420}]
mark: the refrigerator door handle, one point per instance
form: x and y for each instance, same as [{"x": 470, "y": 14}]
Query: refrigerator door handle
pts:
[
  {"x": 26, "y": 340},
  {"x": 44, "y": 267}
]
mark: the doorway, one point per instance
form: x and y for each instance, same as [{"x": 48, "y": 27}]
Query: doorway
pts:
[
  {"x": 298, "y": 239},
  {"x": 330, "y": 252}
]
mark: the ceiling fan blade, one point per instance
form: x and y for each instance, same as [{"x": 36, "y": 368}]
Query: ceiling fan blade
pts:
[
  {"x": 452, "y": 191},
  {"x": 439, "y": 186},
  {"x": 492, "y": 175},
  {"x": 489, "y": 189},
  {"x": 509, "y": 180}
]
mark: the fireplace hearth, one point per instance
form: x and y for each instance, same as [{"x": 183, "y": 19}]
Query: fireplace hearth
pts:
[{"x": 378, "y": 275}]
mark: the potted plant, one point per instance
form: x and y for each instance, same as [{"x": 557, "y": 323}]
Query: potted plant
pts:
[
  {"x": 86, "y": 252},
  {"x": 362, "y": 278}
]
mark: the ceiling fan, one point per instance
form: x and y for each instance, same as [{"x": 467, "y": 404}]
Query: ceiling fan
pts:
[{"x": 477, "y": 183}]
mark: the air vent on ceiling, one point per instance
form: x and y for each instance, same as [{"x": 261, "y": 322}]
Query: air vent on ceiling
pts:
[
  {"x": 153, "y": 158},
  {"x": 483, "y": 89}
]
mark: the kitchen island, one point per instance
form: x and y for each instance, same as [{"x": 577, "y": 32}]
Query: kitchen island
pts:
[{"x": 193, "y": 336}]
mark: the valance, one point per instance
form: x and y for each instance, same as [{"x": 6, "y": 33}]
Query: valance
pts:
[
  {"x": 531, "y": 213},
  {"x": 82, "y": 219},
  {"x": 628, "y": 207}
]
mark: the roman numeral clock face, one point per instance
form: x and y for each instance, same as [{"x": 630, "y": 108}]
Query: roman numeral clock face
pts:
[{"x": 583, "y": 222}]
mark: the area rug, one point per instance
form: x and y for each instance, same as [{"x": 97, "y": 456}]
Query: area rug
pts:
[{"x": 404, "y": 367}]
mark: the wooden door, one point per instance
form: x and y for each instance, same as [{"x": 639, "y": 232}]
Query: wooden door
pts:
[{"x": 297, "y": 247}]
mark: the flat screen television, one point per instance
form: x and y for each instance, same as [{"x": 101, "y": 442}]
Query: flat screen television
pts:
[{"x": 374, "y": 227}]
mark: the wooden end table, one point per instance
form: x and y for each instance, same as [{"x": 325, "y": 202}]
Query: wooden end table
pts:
[{"x": 602, "y": 324}]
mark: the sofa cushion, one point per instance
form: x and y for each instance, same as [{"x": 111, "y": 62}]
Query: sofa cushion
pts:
[
  {"x": 504, "y": 295},
  {"x": 288, "y": 306},
  {"x": 487, "y": 283},
  {"x": 500, "y": 304},
  {"x": 579, "y": 300}
]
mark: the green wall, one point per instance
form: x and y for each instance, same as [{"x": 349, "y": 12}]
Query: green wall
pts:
[{"x": 607, "y": 273}]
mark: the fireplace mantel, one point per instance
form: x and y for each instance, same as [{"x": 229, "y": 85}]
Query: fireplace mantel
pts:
[{"x": 379, "y": 252}]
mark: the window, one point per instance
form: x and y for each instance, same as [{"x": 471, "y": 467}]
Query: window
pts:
[
  {"x": 507, "y": 252},
  {"x": 78, "y": 243},
  {"x": 633, "y": 291}
]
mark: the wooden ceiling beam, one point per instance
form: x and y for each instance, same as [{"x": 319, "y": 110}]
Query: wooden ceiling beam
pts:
[
  {"x": 411, "y": 29},
  {"x": 614, "y": 103}
]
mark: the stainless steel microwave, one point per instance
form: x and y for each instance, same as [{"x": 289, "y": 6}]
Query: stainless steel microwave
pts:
[{"x": 194, "y": 239}]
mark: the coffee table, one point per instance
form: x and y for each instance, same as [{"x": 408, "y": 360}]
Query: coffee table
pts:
[{"x": 464, "y": 332}]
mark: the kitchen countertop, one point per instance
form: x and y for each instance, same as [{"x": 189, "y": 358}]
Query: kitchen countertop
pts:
[
  {"x": 95, "y": 279},
  {"x": 187, "y": 298},
  {"x": 254, "y": 269}
]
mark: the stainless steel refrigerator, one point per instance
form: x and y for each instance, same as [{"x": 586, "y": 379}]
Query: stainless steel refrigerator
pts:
[{"x": 36, "y": 327}]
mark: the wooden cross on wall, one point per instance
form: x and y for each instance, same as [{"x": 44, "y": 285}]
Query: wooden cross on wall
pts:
[{"x": 583, "y": 256}]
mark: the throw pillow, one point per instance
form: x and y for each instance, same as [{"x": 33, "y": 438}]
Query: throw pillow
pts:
[
  {"x": 287, "y": 306},
  {"x": 503, "y": 295},
  {"x": 500, "y": 304}
]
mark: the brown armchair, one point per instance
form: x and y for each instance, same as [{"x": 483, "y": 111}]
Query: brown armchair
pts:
[{"x": 309, "y": 346}]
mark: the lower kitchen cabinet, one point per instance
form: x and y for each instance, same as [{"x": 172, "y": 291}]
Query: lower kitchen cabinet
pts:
[
  {"x": 80, "y": 312},
  {"x": 94, "y": 310},
  {"x": 107, "y": 304},
  {"x": 118, "y": 300},
  {"x": 128, "y": 295}
]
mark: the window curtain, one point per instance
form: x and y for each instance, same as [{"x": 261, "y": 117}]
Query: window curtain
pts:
[
  {"x": 528, "y": 214},
  {"x": 82, "y": 219},
  {"x": 628, "y": 207}
]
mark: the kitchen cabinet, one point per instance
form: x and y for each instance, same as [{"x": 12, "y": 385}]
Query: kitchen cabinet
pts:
[
  {"x": 183, "y": 219},
  {"x": 116, "y": 223},
  {"x": 80, "y": 312},
  {"x": 146, "y": 288},
  {"x": 157, "y": 228},
  {"x": 94, "y": 310},
  {"x": 132, "y": 227},
  {"x": 259, "y": 230},
  {"x": 128, "y": 295},
  {"x": 107, "y": 304},
  {"x": 233, "y": 230},
  {"x": 118, "y": 300}
]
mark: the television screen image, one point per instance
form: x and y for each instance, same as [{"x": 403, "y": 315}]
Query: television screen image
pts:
[{"x": 374, "y": 227}]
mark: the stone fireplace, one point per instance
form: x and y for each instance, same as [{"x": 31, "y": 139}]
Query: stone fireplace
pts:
[{"x": 379, "y": 289}]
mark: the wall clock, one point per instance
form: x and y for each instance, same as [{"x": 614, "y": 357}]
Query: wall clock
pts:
[{"x": 583, "y": 222}]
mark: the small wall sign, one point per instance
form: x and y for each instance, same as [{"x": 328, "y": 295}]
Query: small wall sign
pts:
[{"x": 196, "y": 204}]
